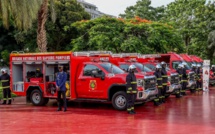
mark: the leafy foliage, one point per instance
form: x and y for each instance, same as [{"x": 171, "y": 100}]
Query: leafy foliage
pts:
[
  {"x": 118, "y": 35},
  {"x": 23, "y": 12},
  {"x": 144, "y": 10},
  {"x": 58, "y": 34},
  {"x": 192, "y": 19}
]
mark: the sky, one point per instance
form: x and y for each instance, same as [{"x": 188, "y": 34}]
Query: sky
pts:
[{"x": 115, "y": 7}]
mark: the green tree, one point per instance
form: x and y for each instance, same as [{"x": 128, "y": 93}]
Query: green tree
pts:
[
  {"x": 135, "y": 35},
  {"x": 58, "y": 34},
  {"x": 23, "y": 12},
  {"x": 144, "y": 10},
  {"x": 191, "y": 19},
  {"x": 8, "y": 43},
  {"x": 41, "y": 21}
]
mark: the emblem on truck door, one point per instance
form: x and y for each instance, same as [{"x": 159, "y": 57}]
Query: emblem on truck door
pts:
[{"x": 92, "y": 84}]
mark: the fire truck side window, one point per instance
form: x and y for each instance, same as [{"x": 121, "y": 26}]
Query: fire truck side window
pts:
[
  {"x": 88, "y": 69},
  {"x": 124, "y": 67}
]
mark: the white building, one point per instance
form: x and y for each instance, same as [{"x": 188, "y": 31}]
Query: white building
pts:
[{"x": 92, "y": 9}]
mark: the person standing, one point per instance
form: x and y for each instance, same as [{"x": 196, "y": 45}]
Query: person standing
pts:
[
  {"x": 61, "y": 88},
  {"x": 157, "y": 73},
  {"x": 180, "y": 72},
  {"x": 199, "y": 81},
  {"x": 5, "y": 80},
  {"x": 164, "y": 80},
  {"x": 194, "y": 69},
  {"x": 131, "y": 89},
  {"x": 184, "y": 79},
  {"x": 213, "y": 69}
]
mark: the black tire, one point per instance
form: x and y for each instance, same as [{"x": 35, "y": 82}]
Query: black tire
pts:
[
  {"x": 37, "y": 98},
  {"x": 46, "y": 101},
  {"x": 119, "y": 100}
]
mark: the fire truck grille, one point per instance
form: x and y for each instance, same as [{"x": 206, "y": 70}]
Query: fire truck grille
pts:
[
  {"x": 150, "y": 83},
  {"x": 175, "y": 79},
  {"x": 191, "y": 76}
]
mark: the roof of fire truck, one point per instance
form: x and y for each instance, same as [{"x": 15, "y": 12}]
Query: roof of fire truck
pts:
[
  {"x": 173, "y": 56},
  {"x": 186, "y": 57},
  {"x": 196, "y": 58}
]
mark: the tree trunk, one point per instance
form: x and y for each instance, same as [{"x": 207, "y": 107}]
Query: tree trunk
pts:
[{"x": 41, "y": 30}]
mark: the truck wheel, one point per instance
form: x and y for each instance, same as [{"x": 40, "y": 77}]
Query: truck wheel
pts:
[
  {"x": 119, "y": 100},
  {"x": 37, "y": 98}
]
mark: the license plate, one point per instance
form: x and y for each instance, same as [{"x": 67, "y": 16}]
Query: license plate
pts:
[
  {"x": 176, "y": 77},
  {"x": 152, "y": 81}
]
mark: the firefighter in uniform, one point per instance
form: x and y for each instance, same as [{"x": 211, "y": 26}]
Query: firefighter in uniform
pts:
[
  {"x": 184, "y": 79},
  {"x": 199, "y": 81},
  {"x": 61, "y": 87},
  {"x": 164, "y": 80},
  {"x": 180, "y": 72},
  {"x": 5, "y": 80},
  {"x": 194, "y": 69},
  {"x": 157, "y": 73},
  {"x": 131, "y": 89},
  {"x": 213, "y": 69}
]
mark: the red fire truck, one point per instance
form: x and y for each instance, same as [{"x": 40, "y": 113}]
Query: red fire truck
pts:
[
  {"x": 173, "y": 77},
  {"x": 124, "y": 60},
  {"x": 173, "y": 60},
  {"x": 91, "y": 77}
]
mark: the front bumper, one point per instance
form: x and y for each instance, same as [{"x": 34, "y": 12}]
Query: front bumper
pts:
[
  {"x": 191, "y": 84},
  {"x": 173, "y": 88},
  {"x": 147, "y": 95}
]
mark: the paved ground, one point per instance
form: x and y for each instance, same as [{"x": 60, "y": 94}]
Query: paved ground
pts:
[{"x": 194, "y": 113}]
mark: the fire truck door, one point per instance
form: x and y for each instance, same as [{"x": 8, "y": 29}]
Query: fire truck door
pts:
[{"x": 89, "y": 86}]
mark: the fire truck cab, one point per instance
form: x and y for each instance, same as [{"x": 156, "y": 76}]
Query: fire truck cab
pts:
[
  {"x": 124, "y": 60},
  {"x": 91, "y": 77},
  {"x": 173, "y": 77},
  {"x": 173, "y": 60}
]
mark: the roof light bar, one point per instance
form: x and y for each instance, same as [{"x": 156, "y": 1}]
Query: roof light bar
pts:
[
  {"x": 150, "y": 56},
  {"x": 92, "y": 53},
  {"x": 122, "y": 55}
]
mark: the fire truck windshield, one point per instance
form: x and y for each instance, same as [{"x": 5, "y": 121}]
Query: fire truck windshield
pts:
[
  {"x": 150, "y": 66},
  {"x": 176, "y": 63},
  {"x": 142, "y": 67},
  {"x": 112, "y": 68}
]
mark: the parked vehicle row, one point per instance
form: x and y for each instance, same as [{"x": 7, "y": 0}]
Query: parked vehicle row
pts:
[{"x": 92, "y": 75}]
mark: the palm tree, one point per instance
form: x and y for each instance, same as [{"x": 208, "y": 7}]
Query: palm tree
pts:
[
  {"x": 41, "y": 30},
  {"x": 23, "y": 12}
]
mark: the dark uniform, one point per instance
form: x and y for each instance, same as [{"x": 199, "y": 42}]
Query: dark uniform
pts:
[
  {"x": 164, "y": 80},
  {"x": 131, "y": 89},
  {"x": 184, "y": 81},
  {"x": 60, "y": 82},
  {"x": 159, "y": 84},
  {"x": 5, "y": 79},
  {"x": 180, "y": 72},
  {"x": 213, "y": 70},
  {"x": 199, "y": 80},
  {"x": 195, "y": 76}
]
